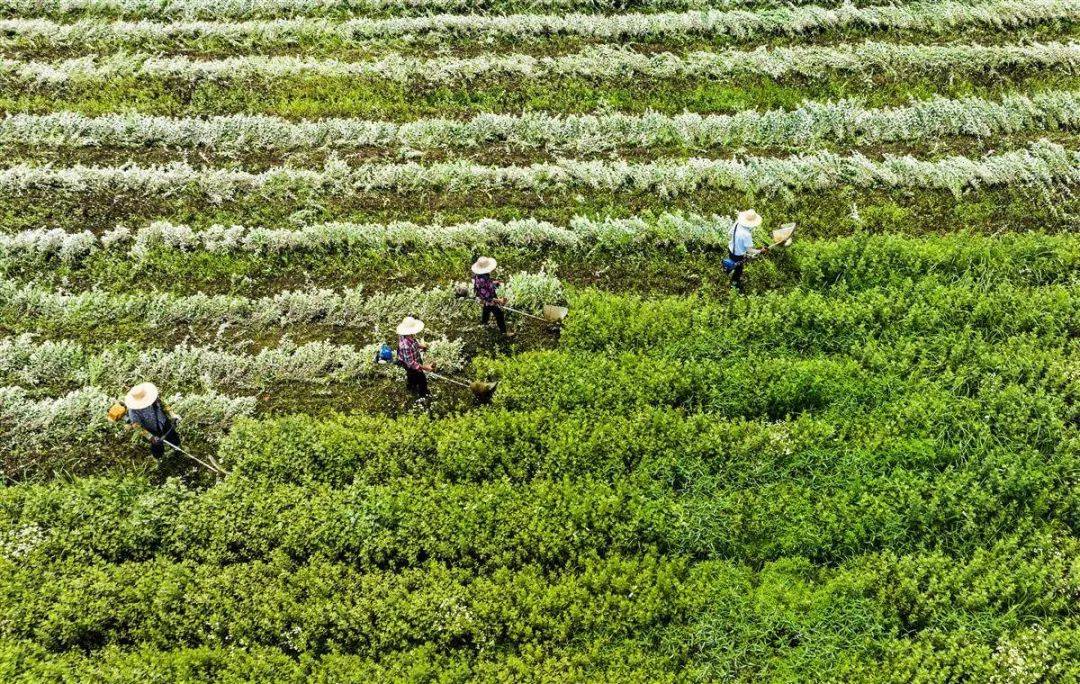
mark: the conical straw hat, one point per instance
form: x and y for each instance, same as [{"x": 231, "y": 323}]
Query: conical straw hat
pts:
[
  {"x": 484, "y": 265},
  {"x": 410, "y": 326},
  {"x": 141, "y": 396},
  {"x": 749, "y": 218}
]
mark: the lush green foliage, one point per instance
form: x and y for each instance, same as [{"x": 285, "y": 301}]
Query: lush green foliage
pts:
[{"x": 864, "y": 469}]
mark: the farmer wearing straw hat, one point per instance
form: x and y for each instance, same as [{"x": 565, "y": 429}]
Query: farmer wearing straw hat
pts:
[
  {"x": 741, "y": 244},
  {"x": 484, "y": 289},
  {"x": 146, "y": 411},
  {"x": 410, "y": 357}
]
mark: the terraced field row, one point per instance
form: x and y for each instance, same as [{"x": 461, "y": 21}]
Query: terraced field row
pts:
[
  {"x": 934, "y": 18},
  {"x": 813, "y": 124}
]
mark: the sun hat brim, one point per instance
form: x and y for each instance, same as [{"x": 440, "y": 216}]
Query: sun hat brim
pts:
[
  {"x": 410, "y": 326},
  {"x": 141, "y": 396},
  {"x": 484, "y": 265},
  {"x": 749, "y": 218}
]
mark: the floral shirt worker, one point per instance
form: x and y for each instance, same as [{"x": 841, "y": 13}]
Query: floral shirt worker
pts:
[
  {"x": 484, "y": 287},
  {"x": 410, "y": 356}
]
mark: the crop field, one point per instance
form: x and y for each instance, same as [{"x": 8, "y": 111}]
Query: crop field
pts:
[{"x": 864, "y": 468}]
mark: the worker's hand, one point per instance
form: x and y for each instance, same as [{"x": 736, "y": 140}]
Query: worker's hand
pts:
[
  {"x": 428, "y": 368},
  {"x": 155, "y": 440},
  {"x": 423, "y": 346},
  {"x": 501, "y": 301}
]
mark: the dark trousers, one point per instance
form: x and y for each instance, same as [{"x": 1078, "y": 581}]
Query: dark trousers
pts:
[
  {"x": 416, "y": 382},
  {"x": 736, "y": 273},
  {"x": 496, "y": 311},
  {"x": 157, "y": 447}
]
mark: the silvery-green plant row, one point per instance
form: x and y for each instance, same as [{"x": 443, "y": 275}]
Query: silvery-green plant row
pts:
[
  {"x": 270, "y": 9},
  {"x": 934, "y": 17},
  {"x": 842, "y": 122},
  {"x": 351, "y": 308},
  {"x": 28, "y": 361},
  {"x": 1043, "y": 164},
  {"x": 32, "y": 425},
  {"x": 582, "y": 231},
  {"x": 868, "y": 57}
]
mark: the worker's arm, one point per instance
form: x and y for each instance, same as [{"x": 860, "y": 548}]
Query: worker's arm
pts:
[{"x": 149, "y": 435}]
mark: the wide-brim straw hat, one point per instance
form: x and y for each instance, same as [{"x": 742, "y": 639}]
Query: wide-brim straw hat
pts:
[
  {"x": 749, "y": 218},
  {"x": 410, "y": 326},
  {"x": 484, "y": 265},
  {"x": 141, "y": 396}
]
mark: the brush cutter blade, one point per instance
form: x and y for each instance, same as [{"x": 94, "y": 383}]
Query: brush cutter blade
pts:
[
  {"x": 462, "y": 291},
  {"x": 782, "y": 235},
  {"x": 555, "y": 314},
  {"x": 483, "y": 391}
]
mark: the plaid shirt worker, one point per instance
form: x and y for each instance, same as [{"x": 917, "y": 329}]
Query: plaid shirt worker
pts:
[{"x": 409, "y": 352}]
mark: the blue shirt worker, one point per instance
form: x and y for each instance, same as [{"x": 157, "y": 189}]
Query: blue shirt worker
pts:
[
  {"x": 484, "y": 287},
  {"x": 741, "y": 244},
  {"x": 410, "y": 356},
  {"x": 146, "y": 411}
]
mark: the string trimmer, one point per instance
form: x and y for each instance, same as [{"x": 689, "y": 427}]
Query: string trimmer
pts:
[
  {"x": 550, "y": 314},
  {"x": 781, "y": 237},
  {"x": 482, "y": 391},
  {"x": 117, "y": 411}
]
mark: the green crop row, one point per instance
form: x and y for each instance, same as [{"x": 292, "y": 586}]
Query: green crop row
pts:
[
  {"x": 701, "y": 616},
  {"x": 1022, "y": 388},
  {"x": 313, "y": 96},
  {"x": 1027, "y": 653},
  {"x": 764, "y": 386},
  {"x": 901, "y": 418},
  {"x": 654, "y": 448},
  {"x": 858, "y": 261},
  {"x": 853, "y": 307},
  {"x": 673, "y": 262},
  {"x": 1029, "y": 404},
  {"x": 554, "y": 523},
  {"x": 810, "y": 321},
  {"x": 771, "y": 357},
  {"x": 864, "y": 261}
]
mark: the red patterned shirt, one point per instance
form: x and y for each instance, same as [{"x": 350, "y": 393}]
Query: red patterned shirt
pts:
[{"x": 408, "y": 351}]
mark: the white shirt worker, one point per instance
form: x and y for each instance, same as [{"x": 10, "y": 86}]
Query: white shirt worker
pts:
[{"x": 742, "y": 241}]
